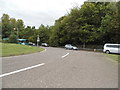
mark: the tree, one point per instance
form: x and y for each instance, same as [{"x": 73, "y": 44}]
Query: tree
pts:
[
  {"x": 6, "y": 28},
  {"x": 110, "y": 25},
  {"x": 19, "y": 28},
  {"x": 43, "y": 33},
  {"x": 0, "y": 31},
  {"x": 13, "y": 38},
  {"x": 92, "y": 23}
]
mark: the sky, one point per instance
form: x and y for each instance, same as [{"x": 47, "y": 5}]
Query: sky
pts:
[{"x": 37, "y": 12}]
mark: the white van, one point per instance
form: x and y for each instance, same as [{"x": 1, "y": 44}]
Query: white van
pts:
[{"x": 112, "y": 48}]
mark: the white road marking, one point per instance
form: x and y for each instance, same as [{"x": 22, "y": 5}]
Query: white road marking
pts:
[
  {"x": 24, "y": 69},
  {"x": 44, "y": 50},
  {"x": 65, "y": 55}
]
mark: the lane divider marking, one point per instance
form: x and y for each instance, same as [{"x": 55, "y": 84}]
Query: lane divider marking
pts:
[
  {"x": 24, "y": 69},
  {"x": 65, "y": 55}
]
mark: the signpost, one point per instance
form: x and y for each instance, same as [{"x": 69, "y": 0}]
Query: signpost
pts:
[{"x": 38, "y": 40}]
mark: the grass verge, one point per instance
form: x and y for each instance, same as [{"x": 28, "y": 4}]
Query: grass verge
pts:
[
  {"x": 114, "y": 57},
  {"x": 16, "y": 49}
]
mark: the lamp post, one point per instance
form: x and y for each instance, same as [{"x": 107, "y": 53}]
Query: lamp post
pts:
[
  {"x": 38, "y": 40},
  {"x": 17, "y": 32}
]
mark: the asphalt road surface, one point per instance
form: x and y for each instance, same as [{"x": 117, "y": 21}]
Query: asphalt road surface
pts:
[{"x": 59, "y": 68}]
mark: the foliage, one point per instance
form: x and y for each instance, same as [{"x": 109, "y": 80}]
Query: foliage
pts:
[
  {"x": 92, "y": 23},
  {"x": 12, "y": 38}
]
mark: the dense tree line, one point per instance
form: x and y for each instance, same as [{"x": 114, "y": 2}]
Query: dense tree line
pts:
[
  {"x": 15, "y": 29},
  {"x": 92, "y": 23}
]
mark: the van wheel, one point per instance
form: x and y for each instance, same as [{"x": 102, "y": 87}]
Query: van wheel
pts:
[{"x": 107, "y": 51}]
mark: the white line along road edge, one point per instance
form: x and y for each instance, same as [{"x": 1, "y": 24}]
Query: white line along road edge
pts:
[
  {"x": 44, "y": 50},
  {"x": 17, "y": 71},
  {"x": 65, "y": 55}
]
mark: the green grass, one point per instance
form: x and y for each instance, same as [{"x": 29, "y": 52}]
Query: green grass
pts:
[
  {"x": 114, "y": 57},
  {"x": 16, "y": 49}
]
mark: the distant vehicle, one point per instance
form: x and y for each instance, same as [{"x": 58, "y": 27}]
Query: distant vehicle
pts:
[
  {"x": 23, "y": 41},
  {"x": 44, "y": 44},
  {"x": 69, "y": 46},
  {"x": 112, "y": 48},
  {"x": 75, "y": 48},
  {"x": 31, "y": 44}
]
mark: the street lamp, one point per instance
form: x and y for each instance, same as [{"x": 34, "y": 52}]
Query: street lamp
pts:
[
  {"x": 38, "y": 40},
  {"x": 17, "y": 32}
]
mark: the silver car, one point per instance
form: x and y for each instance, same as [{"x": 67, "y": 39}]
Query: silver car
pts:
[
  {"x": 69, "y": 46},
  {"x": 44, "y": 44}
]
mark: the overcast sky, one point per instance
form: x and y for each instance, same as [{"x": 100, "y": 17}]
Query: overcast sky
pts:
[{"x": 37, "y": 12}]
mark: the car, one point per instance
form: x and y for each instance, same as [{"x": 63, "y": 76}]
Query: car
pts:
[
  {"x": 31, "y": 44},
  {"x": 75, "y": 48},
  {"x": 44, "y": 44},
  {"x": 111, "y": 48},
  {"x": 69, "y": 46}
]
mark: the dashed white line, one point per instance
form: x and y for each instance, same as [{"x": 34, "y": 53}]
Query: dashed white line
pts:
[
  {"x": 65, "y": 55},
  {"x": 24, "y": 69}
]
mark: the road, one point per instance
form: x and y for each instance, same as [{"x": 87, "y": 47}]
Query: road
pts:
[{"x": 59, "y": 68}]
